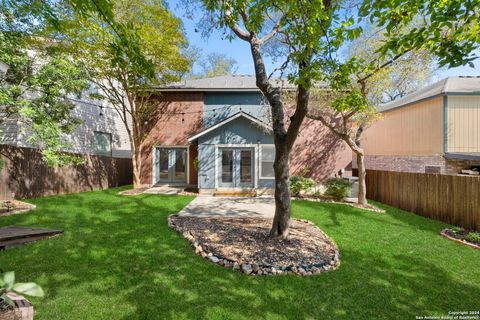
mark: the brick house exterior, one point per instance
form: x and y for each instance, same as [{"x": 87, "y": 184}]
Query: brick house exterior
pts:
[{"x": 215, "y": 133}]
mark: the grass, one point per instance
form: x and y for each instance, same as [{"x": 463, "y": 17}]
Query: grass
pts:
[{"x": 119, "y": 260}]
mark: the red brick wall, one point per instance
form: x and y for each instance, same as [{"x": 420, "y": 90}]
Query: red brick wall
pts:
[
  {"x": 318, "y": 153},
  {"x": 169, "y": 129},
  {"x": 416, "y": 163}
]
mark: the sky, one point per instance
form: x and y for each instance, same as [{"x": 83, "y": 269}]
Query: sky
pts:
[{"x": 239, "y": 49}]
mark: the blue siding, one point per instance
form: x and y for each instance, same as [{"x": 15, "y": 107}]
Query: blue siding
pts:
[
  {"x": 239, "y": 131},
  {"x": 228, "y": 104}
]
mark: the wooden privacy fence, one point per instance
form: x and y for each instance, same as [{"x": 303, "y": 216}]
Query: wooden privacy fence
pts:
[
  {"x": 448, "y": 198},
  {"x": 26, "y": 175}
]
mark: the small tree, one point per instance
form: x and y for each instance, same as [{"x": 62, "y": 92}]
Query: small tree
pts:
[
  {"x": 407, "y": 27},
  {"x": 360, "y": 84},
  {"x": 136, "y": 45}
]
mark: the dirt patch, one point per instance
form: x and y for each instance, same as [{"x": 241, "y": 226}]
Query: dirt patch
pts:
[
  {"x": 244, "y": 241},
  {"x": 11, "y": 207}
]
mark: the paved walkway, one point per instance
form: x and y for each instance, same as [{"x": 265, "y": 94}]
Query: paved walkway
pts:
[{"x": 230, "y": 207}]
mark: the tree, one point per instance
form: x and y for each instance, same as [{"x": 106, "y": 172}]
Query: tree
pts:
[
  {"x": 407, "y": 74},
  {"x": 350, "y": 107},
  {"x": 125, "y": 68},
  {"x": 310, "y": 35},
  {"x": 36, "y": 88},
  {"x": 448, "y": 29},
  {"x": 217, "y": 64},
  {"x": 299, "y": 27}
]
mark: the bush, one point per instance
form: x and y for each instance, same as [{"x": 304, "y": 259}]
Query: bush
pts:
[
  {"x": 473, "y": 237},
  {"x": 299, "y": 184},
  {"x": 338, "y": 188}
]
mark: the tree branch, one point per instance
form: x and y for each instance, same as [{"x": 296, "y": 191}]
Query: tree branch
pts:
[
  {"x": 384, "y": 65},
  {"x": 271, "y": 34},
  {"x": 242, "y": 34}
]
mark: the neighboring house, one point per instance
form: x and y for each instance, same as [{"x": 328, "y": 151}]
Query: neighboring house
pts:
[
  {"x": 435, "y": 130},
  {"x": 215, "y": 133},
  {"x": 101, "y": 133},
  {"x": 101, "y": 140}
]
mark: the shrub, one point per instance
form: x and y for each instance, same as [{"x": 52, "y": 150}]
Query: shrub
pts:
[
  {"x": 299, "y": 184},
  {"x": 338, "y": 188},
  {"x": 473, "y": 237}
]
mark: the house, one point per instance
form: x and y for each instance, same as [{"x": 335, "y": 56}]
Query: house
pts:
[
  {"x": 434, "y": 130},
  {"x": 101, "y": 132},
  {"x": 101, "y": 140},
  {"x": 216, "y": 134}
]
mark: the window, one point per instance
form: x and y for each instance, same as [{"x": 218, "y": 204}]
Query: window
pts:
[
  {"x": 267, "y": 156},
  {"x": 103, "y": 143}
]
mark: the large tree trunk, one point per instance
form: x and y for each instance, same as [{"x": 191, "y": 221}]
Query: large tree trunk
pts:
[
  {"x": 362, "y": 187},
  {"x": 281, "y": 220},
  {"x": 283, "y": 138},
  {"x": 137, "y": 166}
]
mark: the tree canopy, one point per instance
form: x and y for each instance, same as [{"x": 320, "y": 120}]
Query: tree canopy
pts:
[{"x": 37, "y": 87}]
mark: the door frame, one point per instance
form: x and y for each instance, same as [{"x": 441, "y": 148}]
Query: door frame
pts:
[
  {"x": 255, "y": 148},
  {"x": 155, "y": 179}
]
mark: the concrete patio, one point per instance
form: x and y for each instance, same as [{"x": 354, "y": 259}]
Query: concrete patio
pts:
[{"x": 230, "y": 207}]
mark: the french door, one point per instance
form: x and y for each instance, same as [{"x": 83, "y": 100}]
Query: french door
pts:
[
  {"x": 236, "y": 167},
  {"x": 171, "y": 165}
]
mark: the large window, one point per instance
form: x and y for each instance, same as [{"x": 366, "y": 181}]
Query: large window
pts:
[
  {"x": 267, "y": 157},
  {"x": 103, "y": 143}
]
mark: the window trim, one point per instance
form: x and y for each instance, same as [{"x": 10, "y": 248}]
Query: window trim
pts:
[
  {"x": 95, "y": 152},
  {"x": 261, "y": 161}
]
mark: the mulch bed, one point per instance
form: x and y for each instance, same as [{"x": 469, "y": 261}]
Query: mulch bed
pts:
[
  {"x": 243, "y": 243},
  {"x": 461, "y": 236},
  {"x": 11, "y": 207}
]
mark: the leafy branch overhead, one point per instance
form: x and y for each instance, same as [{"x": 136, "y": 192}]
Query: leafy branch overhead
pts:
[{"x": 36, "y": 89}]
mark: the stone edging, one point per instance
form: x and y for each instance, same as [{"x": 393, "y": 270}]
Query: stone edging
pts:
[
  {"x": 252, "y": 268},
  {"x": 444, "y": 233},
  {"x": 19, "y": 211}
]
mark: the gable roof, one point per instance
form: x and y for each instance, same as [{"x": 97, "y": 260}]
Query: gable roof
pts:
[
  {"x": 231, "y": 83},
  {"x": 450, "y": 85},
  {"x": 230, "y": 119},
  {"x": 222, "y": 83}
]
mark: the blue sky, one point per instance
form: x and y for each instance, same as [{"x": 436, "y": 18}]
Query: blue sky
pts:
[{"x": 239, "y": 50}]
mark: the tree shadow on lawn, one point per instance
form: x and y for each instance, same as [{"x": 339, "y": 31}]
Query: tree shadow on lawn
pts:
[
  {"x": 402, "y": 219},
  {"x": 118, "y": 259}
]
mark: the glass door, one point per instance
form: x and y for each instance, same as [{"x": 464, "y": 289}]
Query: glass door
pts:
[
  {"x": 236, "y": 168},
  {"x": 245, "y": 161},
  {"x": 227, "y": 172},
  {"x": 171, "y": 165}
]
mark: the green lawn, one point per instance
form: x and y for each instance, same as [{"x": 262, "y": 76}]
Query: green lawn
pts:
[{"x": 119, "y": 260}]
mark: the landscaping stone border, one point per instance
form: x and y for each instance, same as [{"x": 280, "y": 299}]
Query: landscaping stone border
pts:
[
  {"x": 26, "y": 207},
  {"x": 446, "y": 235},
  {"x": 255, "y": 268}
]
